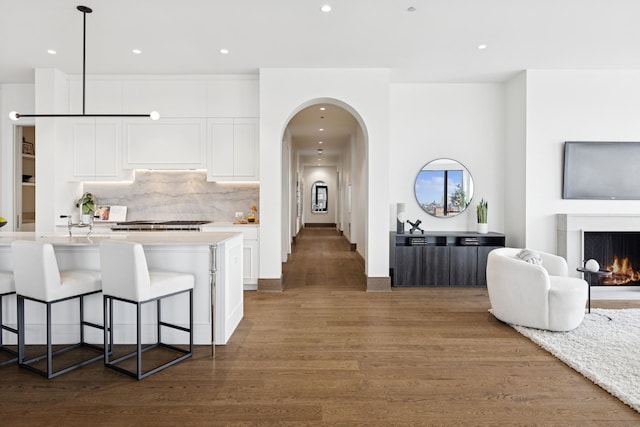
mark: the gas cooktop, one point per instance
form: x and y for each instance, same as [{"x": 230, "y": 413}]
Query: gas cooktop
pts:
[{"x": 160, "y": 225}]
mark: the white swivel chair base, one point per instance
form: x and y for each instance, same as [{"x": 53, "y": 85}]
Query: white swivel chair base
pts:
[{"x": 137, "y": 353}]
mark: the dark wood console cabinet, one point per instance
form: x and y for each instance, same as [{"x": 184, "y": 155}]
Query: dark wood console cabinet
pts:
[{"x": 441, "y": 258}]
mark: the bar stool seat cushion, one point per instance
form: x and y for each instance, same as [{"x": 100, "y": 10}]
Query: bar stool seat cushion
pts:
[
  {"x": 49, "y": 283},
  {"x": 163, "y": 283},
  {"x": 129, "y": 278},
  {"x": 7, "y": 285}
]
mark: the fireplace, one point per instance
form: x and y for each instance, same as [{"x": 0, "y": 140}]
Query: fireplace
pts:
[
  {"x": 618, "y": 252},
  {"x": 570, "y": 240}
]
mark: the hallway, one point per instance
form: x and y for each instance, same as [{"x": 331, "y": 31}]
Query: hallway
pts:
[{"x": 322, "y": 259}]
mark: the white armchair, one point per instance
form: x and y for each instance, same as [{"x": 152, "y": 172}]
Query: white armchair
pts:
[{"x": 536, "y": 296}]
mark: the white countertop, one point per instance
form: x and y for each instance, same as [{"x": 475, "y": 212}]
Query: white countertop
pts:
[
  {"x": 146, "y": 238},
  {"x": 232, "y": 224}
]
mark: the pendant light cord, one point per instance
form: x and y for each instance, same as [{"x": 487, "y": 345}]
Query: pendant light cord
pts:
[{"x": 84, "y": 53}]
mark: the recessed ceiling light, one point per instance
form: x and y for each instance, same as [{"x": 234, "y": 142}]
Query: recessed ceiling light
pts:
[
  {"x": 319, "y": 142},
  {"x": 51, "y": 52},
  {"x": 136, "y": 51},
  {"x": 482, "y": 46},
  {"x": 321, "y": 130},
  {"x": 326, "y": 8},
  {"x": 224, "y": 51},
  {"x": 322, "y": 108},
  {"x": 411, "y": 9}
]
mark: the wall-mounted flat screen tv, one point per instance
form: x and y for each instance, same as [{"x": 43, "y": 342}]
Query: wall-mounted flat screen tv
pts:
[{"x": 601, "y": 170}]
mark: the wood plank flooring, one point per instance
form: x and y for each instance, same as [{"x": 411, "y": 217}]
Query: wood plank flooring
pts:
[{"x": 324, "y": 352}]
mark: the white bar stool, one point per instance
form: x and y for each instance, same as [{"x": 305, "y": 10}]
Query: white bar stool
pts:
[
  {"x": 7, "y": 287},
  {"x": 126, "y": 277},
  {"x": 37, "y": 278}
]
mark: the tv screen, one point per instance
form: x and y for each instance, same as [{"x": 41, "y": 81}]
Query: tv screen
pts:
[{"x": 601, "y": 170}]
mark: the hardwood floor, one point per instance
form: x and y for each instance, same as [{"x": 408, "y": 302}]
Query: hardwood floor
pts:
[{"x": 324, "y": 352}]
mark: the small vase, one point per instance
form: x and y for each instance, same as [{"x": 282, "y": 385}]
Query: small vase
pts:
[
  {"x": 251, "y": 218},
  {"x": 483, "y": 228}
]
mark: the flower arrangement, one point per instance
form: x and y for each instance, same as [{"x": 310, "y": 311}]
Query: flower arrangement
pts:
[
  {"x": 86, "y": 203},
  {"x": 252, "y": 216}
]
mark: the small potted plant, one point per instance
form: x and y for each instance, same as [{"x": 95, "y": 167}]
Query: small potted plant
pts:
[
  {"x": 481, "y": 210},
  {"x": 87, "y": 205},
  {"x": 252, "y": 216}
]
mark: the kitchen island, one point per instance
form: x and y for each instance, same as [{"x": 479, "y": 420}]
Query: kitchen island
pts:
[{"x": 186, "y": 252}]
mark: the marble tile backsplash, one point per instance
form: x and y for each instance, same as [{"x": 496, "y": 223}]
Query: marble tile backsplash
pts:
[{"x": 177, "y": 195}]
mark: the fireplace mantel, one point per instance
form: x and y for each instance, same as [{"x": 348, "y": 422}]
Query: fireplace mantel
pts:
[{"x": 570, "y": 237}]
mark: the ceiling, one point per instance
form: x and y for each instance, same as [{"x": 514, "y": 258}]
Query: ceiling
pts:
[
  {"x": 437, "y": 41},
  {"x": 328, "y": 130}
]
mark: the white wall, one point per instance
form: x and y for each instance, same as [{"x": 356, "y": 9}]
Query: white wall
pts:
[
  {"x": 345, "y": 181},
  {"x": 364, "y": 93},
  {"x": 515, "y": 162},
  {"x": 54, "y": 195},
  {"x": 359, "y": 173},
  {"x": 464, "y": 122},
  {"x": 573, "y": 106},
  {"x": 328, "y": 174}
]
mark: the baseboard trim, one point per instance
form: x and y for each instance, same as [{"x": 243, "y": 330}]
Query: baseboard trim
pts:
[
  {"x": 320, "y": 224},
  {"x": 270, "y": 285},
  {"x": 378, "y": 284}
]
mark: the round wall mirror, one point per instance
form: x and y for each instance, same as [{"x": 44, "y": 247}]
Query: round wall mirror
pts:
[{"x": 444, "y": 188}]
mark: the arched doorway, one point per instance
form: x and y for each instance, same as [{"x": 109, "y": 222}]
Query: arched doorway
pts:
[{"x": 325, "y": 140}]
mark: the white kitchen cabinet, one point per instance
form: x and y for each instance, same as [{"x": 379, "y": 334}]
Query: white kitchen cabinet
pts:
[
  {"x": 250, "y": 249},
  {"x": 165, "y": 144},
  {"x": 171, "y": 97},
  {"x": 233, "y": 149},
  {"x": 237, "y": 96},
  {"x": 95, "y": 150}
]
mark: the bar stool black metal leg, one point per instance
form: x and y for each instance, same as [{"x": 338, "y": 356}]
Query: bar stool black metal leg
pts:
[
  {"x": 20, "y": 313},
  {"x": 49, "y": 345},
  {"x": 139, "y": 343}
]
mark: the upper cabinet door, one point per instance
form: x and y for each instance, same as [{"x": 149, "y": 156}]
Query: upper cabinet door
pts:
[
  {"x": 233, "y": 149},
  {"x": 171, "y": 98},
  {"x": 95, "y": 150},
  {"x": 164, "y": 144},
  {"x": 245, "y": 149},
  {"x": 220, "y": 150},
  {"x": 233, "y": 97}
]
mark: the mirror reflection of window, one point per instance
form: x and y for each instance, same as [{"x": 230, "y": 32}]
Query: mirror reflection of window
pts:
[
  {"x": 444, "y": 188},
  {"x": 319, "y": 197}
]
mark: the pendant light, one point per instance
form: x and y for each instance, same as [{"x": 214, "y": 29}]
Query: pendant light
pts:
[{"x": 154, "y": 115}]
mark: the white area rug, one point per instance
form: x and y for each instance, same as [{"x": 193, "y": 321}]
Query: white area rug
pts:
[{"x": 605, "y": 348}]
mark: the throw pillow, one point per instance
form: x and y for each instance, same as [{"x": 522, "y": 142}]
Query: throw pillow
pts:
[{"x": 530, "y": 256}]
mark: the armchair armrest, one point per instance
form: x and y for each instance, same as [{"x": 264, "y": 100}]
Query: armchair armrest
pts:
[{"x": 554, "y": 264}]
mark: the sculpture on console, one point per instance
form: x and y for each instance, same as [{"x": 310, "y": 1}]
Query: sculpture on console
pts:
[{"x": 415, "y": 226}]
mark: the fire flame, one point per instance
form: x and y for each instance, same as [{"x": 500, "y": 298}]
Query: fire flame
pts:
[{"x": 622, "y": 272}]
